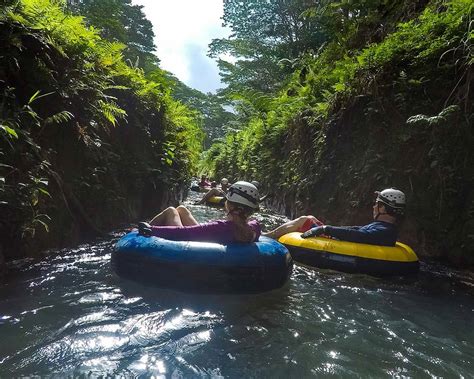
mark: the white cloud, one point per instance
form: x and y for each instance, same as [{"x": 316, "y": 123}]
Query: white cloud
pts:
[{"x": 183, "y": 29}]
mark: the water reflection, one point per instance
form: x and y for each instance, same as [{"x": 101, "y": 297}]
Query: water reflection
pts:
[
  {"x": 149, "y": 365},
  {"x": 70, "y": 316}
]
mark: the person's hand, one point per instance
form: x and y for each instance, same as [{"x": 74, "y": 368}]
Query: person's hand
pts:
[
  {"x": 316, "y": 221},
  {"x": 313, "y": 232},
  {"x": 144, "y": 229}
]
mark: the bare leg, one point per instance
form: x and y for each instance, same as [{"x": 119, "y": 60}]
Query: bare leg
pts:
[
  {"x": 209, "y": 194},
  {"x": 169, "y": 217},
  {"x": 186, "y": 216},
  {"x": 290, "y": 226}
]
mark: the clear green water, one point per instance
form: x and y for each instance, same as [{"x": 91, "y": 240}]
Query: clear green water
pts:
[{"x": 69, "y": 315}]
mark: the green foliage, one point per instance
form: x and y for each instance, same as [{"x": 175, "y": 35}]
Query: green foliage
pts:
[
  {"x": 211, "y": 108},
  {"x": 86, "y": 140},
  {"x": 264, "y": 33},
  {"x": 111, "y": 111},
  {"x": 120, "y": 21},
  {"x": 9, "y": 131},
  {"x": 386, "y": 100}
]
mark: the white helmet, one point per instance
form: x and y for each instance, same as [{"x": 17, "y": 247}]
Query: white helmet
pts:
[
  {"x": 244, "y": 193},
  {"x": 392, "y": 197},
  {"x": 255, "y": 183}
]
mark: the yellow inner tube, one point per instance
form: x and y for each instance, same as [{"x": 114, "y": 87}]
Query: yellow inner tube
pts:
[
  {"x": 398, "y": 253},
  {"x": 215, "y": 199}
]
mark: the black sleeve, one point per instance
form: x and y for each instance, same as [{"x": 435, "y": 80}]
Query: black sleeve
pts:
[
  {"x": 351, "y": 227},
  {"x": 351, "y": 234}
]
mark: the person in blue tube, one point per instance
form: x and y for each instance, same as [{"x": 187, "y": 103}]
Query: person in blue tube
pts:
[{"x": 388, "y": 209}]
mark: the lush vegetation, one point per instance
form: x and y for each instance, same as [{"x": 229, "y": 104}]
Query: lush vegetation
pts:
[
  {"x": 330, "y": 101},
  {"x": 120, "y": 21},
  {"x": 215, "y": 118},
  {"x": 338, "y": 99},
  {"x": 88, "y": 139}
]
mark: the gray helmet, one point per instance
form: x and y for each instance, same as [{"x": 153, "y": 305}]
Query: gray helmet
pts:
[
  {"x": 393, "y": 198},
  {"x": 255, "y": 183},
  {"x": 244, "y": 193}
]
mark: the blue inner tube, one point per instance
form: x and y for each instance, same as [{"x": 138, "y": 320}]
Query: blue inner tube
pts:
[{"x": 203, "y": 266}]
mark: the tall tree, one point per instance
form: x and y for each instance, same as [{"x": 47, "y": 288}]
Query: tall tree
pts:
[
  {"x": 263, "y": 34},
  {"x": 214, "y": 109},
  {"x": 119, "y": 20}
]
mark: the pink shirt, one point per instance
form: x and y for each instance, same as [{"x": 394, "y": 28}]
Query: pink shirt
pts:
[
  {"x": 204, "y": 183},
  {"x": 220, "y": 231}
]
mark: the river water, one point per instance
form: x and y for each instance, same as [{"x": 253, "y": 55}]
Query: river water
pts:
[{"x": 69, "y": 315}]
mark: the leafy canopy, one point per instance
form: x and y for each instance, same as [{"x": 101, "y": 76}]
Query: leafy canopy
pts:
[{"x": 120, "y": 21}]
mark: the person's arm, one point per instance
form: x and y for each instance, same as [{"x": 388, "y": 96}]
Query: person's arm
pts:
[
  {"x": 208, "y": 195},
  {"x": 175, "y": 233},
  {"x": 361, "y": 235},
  {"x": 212, "y": 231},
  {"x": 257, "y": 229}
]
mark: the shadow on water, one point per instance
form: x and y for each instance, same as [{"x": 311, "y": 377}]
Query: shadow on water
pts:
[
  {"x": 227, "y": 305},
  {"x": 433, "y": 279}
]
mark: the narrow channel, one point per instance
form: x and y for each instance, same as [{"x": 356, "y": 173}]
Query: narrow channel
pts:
[{"x": 69, "y": 315}]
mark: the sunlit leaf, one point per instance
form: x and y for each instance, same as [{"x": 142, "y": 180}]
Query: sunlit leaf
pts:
[{"x": 11, "y": 132}]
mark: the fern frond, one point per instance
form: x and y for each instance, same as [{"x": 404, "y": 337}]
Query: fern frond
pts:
[
  {"x": 111, "y": 111},
  {"x": 59, "y": 118}
]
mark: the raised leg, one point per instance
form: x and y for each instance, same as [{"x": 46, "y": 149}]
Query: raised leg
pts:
[
  {"x": 209, "y": 194},
  {"x": 169, "y": 217},
  {"x": 186, "y": 216}
]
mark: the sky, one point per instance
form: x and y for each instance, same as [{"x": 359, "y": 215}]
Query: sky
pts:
[{"x": 183, "y": 29}]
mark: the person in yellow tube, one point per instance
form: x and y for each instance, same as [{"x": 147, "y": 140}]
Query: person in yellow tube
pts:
[
  {"x": 215, "y": 192},
  {"x": 388, "y": 209}
]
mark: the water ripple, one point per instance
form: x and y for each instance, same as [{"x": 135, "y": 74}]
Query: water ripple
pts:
[{"x": 68, "y": 315}]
